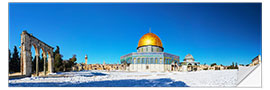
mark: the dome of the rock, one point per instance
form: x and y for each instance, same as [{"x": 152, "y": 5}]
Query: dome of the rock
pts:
[{"x": 150, "y": 39}]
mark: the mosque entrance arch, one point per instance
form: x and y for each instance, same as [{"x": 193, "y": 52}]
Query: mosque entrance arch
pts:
[{"x": 27, "y": 41}]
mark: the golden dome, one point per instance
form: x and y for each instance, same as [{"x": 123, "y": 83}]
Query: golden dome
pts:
[{"x": 150, "y": 39}]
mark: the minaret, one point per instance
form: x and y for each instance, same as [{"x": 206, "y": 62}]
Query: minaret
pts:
[
  {"x": 150, "y": 30},
  {"x": 86, "y": 59}
]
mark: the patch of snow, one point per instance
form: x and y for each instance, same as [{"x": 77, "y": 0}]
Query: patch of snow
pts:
[{"x": 218, "y": 78}]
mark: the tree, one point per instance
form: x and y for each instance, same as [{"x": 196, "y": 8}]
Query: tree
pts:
[
  {"x": 236, "y": 66},
  {"x": 184, "y": 63},
  {"x": 57, "y": 60},
  {"x": 34, "y": 64},
  {"x": 232, "y": 65},
  {"x": 9, "y": 60},
  {"x": 57, "y": 51},
  {"x": 15, "y": 61},
  {"x": 40, "y": 64},
  {"x": 213, "y": 64},
  {"x": 73, "y": 60},
  {"x": 67, "y": 64},
  {"x": 9, "y": 55}
]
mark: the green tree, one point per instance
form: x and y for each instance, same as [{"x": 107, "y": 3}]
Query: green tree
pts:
[
  {"x": 236, "y": 66},
  {"x": 41, "y": 64},
  {"x": 34, "y": 64},
  {"x": 9, "y": 55},
  {"x": 15, "y": 61},
  {"x": 67, "y": 64},
  {"x": 184, "y": 63},
  {"x": 57, "y": 60},
  {"x": 232, "y": 66},
  {"x": 9, "y": 60},
  {"x": 213, "y": 64},
  {"x": 73, "y": 60}
]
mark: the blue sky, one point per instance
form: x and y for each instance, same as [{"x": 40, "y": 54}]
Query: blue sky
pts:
[{"x": 211, "y": 32}]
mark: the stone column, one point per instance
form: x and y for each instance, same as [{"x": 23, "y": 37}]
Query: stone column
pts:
[
  {"x": 26, "y": 64},
  {"x": 44, "y": 56},
  {"x": 37, "y": 57},
  {"x": 50, "y": 62}
]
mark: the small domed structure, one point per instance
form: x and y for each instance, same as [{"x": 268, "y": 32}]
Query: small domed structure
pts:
[
  {"x": 190, "y": 60},
  {"x": 189, "y": 57}
]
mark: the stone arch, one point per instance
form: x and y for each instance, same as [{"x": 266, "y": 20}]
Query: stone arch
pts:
[
  {"x": 27, "y": 40},
  {"x": 37, "y": 54},
  {"x": 44, "y": 55},
  {"x": 36, "y": 47}
]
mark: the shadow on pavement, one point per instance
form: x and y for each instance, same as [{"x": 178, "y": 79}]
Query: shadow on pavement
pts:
[{"x": 163, "y": 82}]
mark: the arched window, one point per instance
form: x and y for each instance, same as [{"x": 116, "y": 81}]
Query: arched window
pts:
[
  {"x": 138, "y": 61},
  {"x": 156, "y": 61}
]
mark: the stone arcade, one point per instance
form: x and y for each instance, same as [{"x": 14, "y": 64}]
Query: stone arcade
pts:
[{"x": 27, "y": 40}]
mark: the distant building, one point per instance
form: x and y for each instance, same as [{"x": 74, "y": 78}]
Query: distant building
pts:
[
  {"x": 77, "y": 67},
  {"x": 150, "y": 56},
  {"x": 256, "y": 60},
  {"x": 203, "y": 67},
  {"x": 107, "y": 67},
  {"x": 218, "y": 67}
]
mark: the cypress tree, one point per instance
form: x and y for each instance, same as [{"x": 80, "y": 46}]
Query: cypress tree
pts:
[
  {"x": 57, "y": 59},
  {"x": 9, "y": 60},
  {"x": 15, "y": 61}
]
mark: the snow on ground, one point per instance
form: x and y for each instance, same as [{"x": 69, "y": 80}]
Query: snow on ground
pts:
[{"x": 220, "y": 78}]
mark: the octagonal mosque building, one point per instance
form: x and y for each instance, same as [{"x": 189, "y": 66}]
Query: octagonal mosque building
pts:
[{"x": 150, "y": 56}]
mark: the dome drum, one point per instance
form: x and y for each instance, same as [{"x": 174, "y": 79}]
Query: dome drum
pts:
[{"x": 150, "y": 48}]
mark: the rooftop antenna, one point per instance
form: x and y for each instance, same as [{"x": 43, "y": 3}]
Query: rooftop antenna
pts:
[{"x": 150, "y": 30}]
